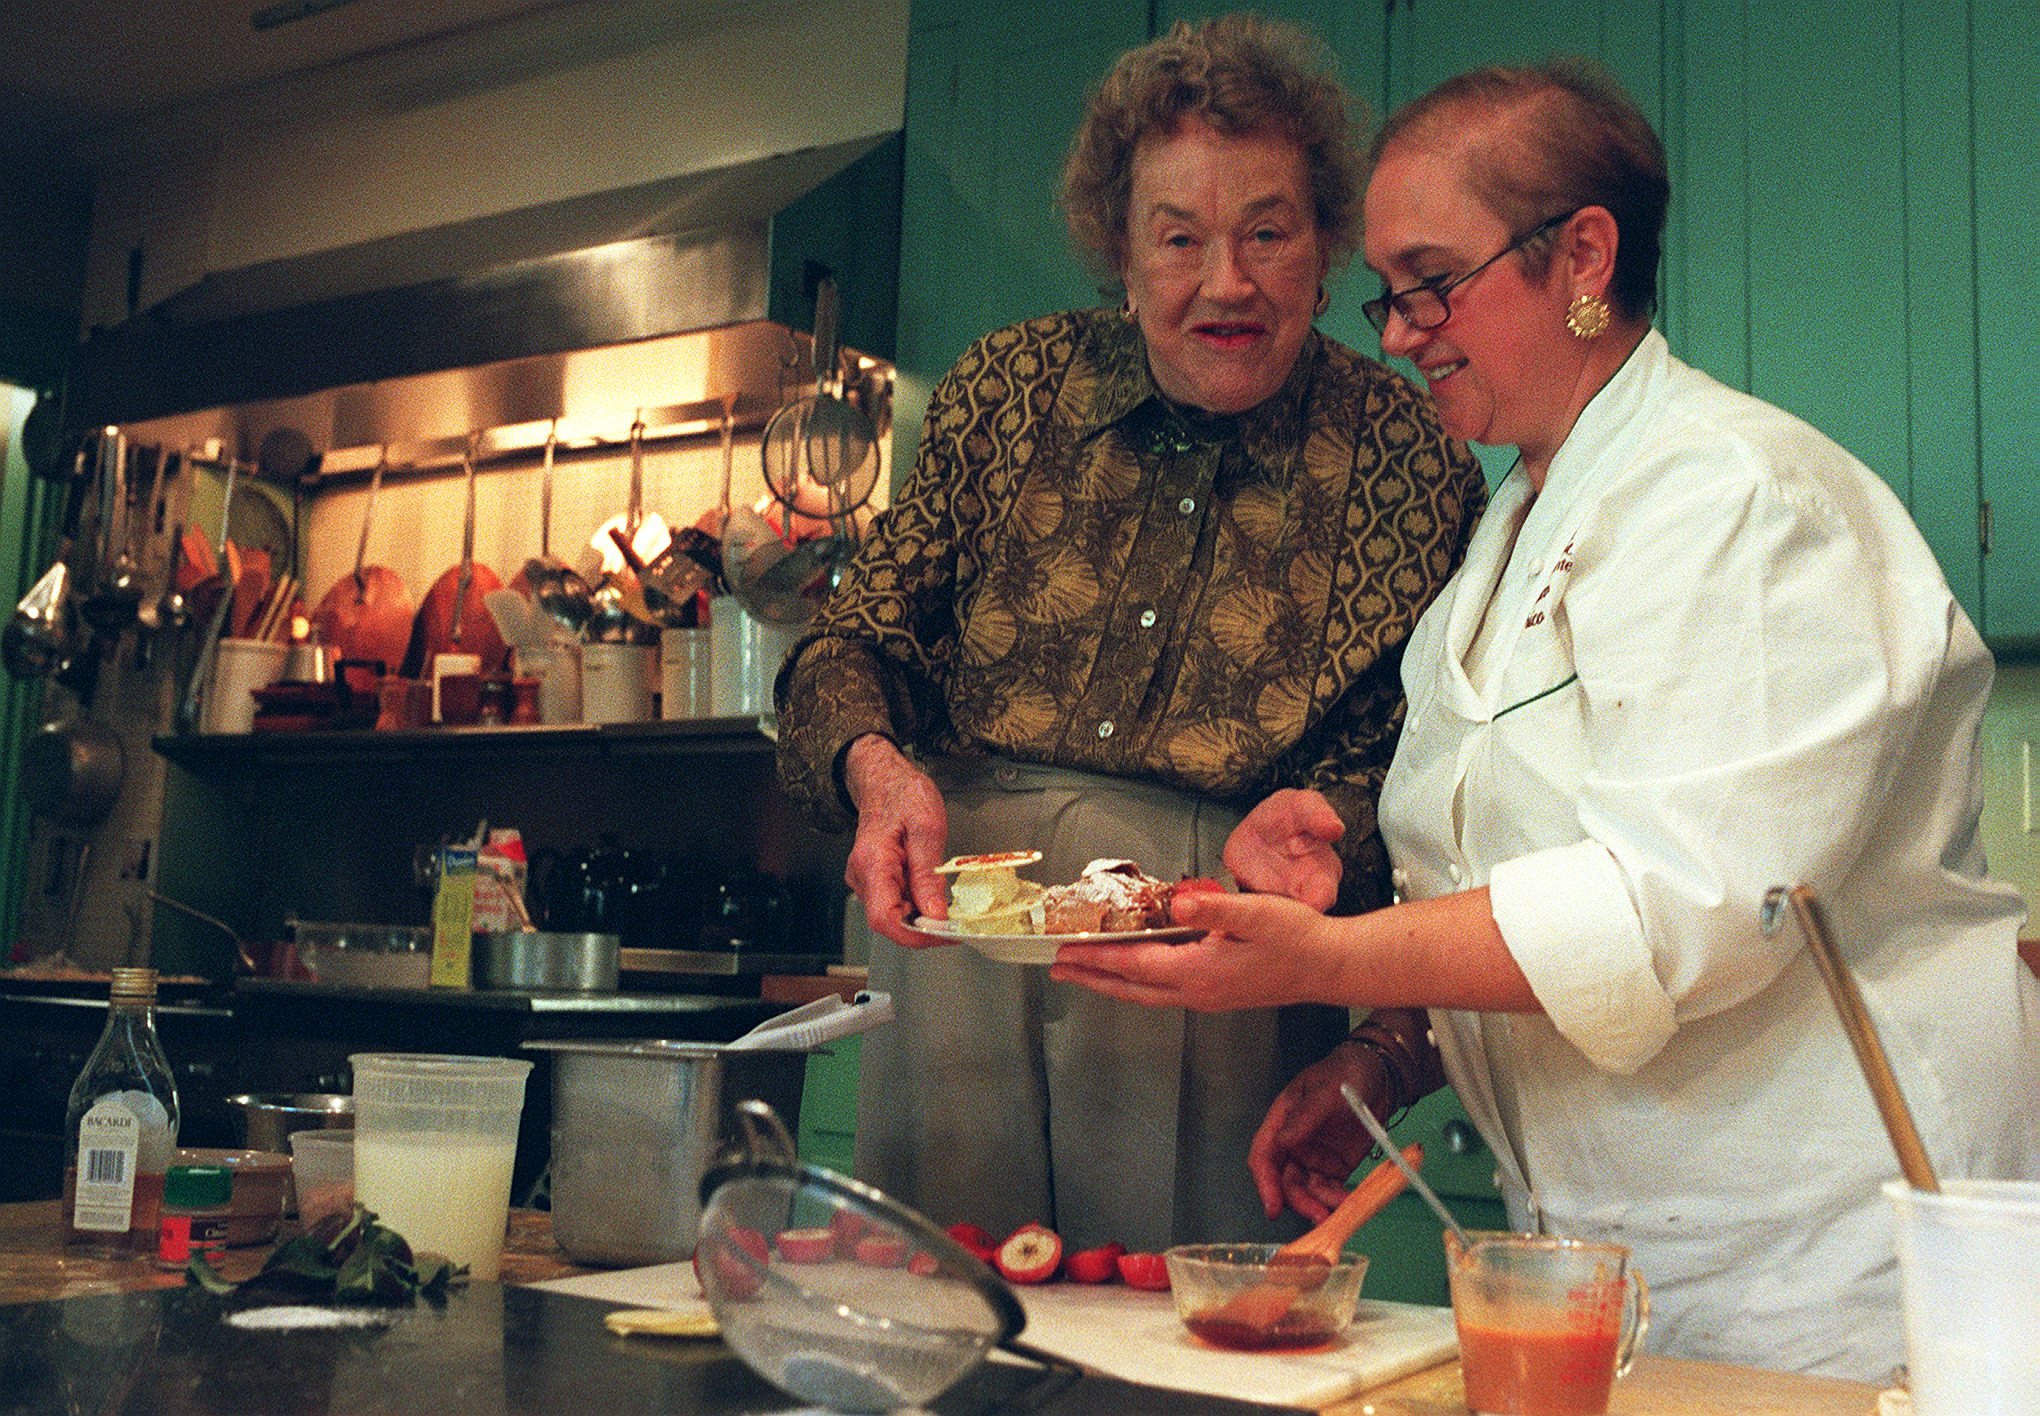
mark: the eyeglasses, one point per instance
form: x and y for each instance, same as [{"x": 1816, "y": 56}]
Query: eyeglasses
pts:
[{"x": 1423, "y": 305}]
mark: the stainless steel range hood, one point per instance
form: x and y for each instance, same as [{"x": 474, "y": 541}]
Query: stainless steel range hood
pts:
[{"x": 722, "y": 248}]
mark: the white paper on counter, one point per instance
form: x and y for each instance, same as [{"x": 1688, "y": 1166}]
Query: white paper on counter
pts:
[
  {"x": 1136, "y": 1336},
  {"x": 670, "y": 1286}
]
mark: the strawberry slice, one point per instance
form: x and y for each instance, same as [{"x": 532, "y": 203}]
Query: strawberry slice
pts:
[
  {"x": 1148, "y": 1271},
  {"x": 880, "y": 1251},
  {"x": 848, "y": 1226},
  {"x": 1031, "y": 1254},
  {"x": 805, "y": 1246},
  {"x": 923, "y": 1265},
  {"x": 1099, "y": 1265},
  {"x": 1198, "y": 885},
  {"x": 736, "y": 1260}
]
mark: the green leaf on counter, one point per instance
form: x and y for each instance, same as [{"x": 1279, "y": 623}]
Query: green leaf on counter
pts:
[{"x": 349, "y": 1258}]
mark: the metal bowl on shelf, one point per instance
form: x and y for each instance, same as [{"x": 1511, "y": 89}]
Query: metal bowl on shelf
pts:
[
  {"x": 269, "y": 1118},
  {"x": 547, "y": 959}
]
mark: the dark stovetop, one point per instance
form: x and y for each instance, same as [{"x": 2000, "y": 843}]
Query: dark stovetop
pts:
[{"x": 490, "y": 1351}]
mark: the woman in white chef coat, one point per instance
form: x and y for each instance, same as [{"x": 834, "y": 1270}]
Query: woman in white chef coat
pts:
[{"x": 1696, "y": 650}]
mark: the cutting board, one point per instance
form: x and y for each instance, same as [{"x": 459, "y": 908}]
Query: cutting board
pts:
[{"x": 1137, "y": 1337}]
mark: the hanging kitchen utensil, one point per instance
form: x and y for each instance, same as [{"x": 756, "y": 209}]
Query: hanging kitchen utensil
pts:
[
  {"x": 115, "y": 590},
  {"x": 692, "y": 561},
  {"x": 556, "y": 587},
  {"x": 149, "y": 524},
  {"x": 452, "y": 618},
  {"x": 38, "y": 637},
  {"x": 42, "y": 633},
  {"x": 619, "y": 611},
  {"x": 71, "y": 772},
  {"x": 209, "y": 645},
  {"x": 368, "y": 615},
  {"x": 44, "y": 443},
  {"x": 639, "y": 595},
  {"x": 821, "y": 452},
  {"x": 751, "y": 551}
]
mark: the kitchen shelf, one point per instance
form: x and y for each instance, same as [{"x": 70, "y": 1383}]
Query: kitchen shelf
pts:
[{"x": 201, "y": 752}]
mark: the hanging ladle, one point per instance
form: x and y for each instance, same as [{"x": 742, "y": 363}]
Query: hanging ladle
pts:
[
  {"x": 1848, "y": 1000},
  {"x": 557, "y": 587},
  {"x": 111, "y": 604}
]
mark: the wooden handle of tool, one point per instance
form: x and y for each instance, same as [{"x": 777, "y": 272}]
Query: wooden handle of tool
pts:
[
  {"x": 1366, "y": 1200},
  {"x": 1848, "y": 1000}
]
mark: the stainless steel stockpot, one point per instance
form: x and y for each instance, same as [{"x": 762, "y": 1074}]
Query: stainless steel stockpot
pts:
[{"x": 635, "y": 1125}]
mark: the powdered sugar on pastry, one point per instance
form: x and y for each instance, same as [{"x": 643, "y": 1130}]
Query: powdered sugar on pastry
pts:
[{"x": 1110, "y": 895}]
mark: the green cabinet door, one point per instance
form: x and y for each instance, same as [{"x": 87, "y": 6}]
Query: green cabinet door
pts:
[
  {"x": 1938, "y": 286},
  {"x": 993, "y": 96},
  {"x": 2006, "y": 124},
  {"x": 1793, "y": 214}
]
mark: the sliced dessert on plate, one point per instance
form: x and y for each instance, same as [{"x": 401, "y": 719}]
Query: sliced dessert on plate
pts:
[
  {"x": 987, "y": 895},
  {"x": 1110, "y": 896}
]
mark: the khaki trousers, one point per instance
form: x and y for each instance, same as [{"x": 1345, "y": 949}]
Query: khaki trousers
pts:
[{"x": 998, "y": 1097}]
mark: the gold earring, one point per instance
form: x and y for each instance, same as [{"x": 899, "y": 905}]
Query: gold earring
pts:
[
  {"x": 1587, "y": 316},
  {"x": 1126, "y": 309},
  {"x": 1324, "y": 301}
]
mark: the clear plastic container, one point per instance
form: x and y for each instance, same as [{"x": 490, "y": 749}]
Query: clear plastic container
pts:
[
  {"x": 435, "y": 1140},
  {"x": 322, "y": 1173},
  {"x": 1967, "y": 1259}
]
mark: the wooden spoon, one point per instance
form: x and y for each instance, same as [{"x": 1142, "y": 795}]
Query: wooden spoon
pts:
[{"x": 1301, "y": 1265}]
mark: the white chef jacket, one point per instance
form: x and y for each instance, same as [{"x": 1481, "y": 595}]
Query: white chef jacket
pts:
[{"x": 1725, "y": 660}]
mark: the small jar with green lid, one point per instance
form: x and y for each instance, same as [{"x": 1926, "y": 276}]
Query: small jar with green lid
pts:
[{"x": 196, "y": 1199}]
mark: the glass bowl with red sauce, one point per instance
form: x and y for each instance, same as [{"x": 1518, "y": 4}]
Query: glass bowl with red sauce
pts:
[{"x": 1232, "y": 1296}]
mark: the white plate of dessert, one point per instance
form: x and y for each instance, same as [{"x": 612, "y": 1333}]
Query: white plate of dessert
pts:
[
  {"x": 1040, "y": 948},
  {"x": 1015, "y": 921}
]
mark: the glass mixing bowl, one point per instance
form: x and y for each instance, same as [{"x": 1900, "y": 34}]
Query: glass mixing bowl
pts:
[{"x": 1230, "y": 1295}]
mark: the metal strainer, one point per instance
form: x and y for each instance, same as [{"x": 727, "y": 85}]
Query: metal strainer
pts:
[{"x": 839, "y": 1295}]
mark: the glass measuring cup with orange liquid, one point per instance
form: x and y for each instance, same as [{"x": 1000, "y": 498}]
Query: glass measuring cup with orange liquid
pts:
[{"x": 1545, "y": 1324}]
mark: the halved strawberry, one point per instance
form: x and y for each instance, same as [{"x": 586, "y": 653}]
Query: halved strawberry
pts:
[
  {"x": 1198, "y": 885},
  {"x": 1149, "y": 1271},
  {"x": 848, "y": 1226},
  {"x": 1031, "y": 1254},
  {"x": 975, "y": 1238},
  {"x": 737, "y": 1261},
  {"x": 880, "y": 1251},
  {"x": 1099, "y": 1265},
  {"x": 805, "y": 1246}
]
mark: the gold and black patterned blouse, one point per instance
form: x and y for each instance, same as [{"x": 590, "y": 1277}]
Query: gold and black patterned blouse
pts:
[{"x": 1078, "y": 572}]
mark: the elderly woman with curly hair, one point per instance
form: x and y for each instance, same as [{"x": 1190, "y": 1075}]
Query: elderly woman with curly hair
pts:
[{"x": 1152, "y": 564}]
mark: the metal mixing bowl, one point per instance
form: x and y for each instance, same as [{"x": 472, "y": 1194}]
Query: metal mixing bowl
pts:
[{"x": 269, "y": 1118}]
